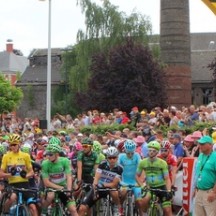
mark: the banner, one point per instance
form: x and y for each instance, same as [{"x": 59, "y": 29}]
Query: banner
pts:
[{"x": 189, "y": 165}]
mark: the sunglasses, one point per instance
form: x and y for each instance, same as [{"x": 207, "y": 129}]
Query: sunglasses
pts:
[
  {"x": 112, "y": 158},
  {"x": 164, "y": 150},
  {"x": 86, "y": 146},
  {"x": 152, "y": 150},
  {"x": 13, "y": 144},
  {"x": 130, "y": 153},
  {"x": 49, "y": 154}
]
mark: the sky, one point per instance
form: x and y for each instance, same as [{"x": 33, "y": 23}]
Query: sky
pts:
[{"x": 26, "y": 21}]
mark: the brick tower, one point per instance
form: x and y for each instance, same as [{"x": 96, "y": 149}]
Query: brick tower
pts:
[{"x": 175, "y": 50}]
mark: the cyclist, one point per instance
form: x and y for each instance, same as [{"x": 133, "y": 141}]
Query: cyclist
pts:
[
  {"x": 16, "y": 167},
  {"x": 166, "y": 154},
  {"x": 108, "y": 175},
  {"x": 56, "y": 174},
  {"x": 87, "y": 162},
  {"x": 129, "y": 161},
  {"x": 156, "y": 173},
  {"x": 98, "y": 149},
  {"x": 41, "y": 143}
]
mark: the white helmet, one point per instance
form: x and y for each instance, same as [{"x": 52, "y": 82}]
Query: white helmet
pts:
[{"x": 112, "y": 151}]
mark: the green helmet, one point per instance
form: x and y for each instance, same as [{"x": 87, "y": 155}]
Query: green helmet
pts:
[
  {"x": 87, "y": 141},
  {"x": 54, "y": 148},
  {"x": 2, "y": 149},
  {"x": 154, "y": 144},
  {"x": 55, "y": 140},
  {"x": 97, "y": 147}
]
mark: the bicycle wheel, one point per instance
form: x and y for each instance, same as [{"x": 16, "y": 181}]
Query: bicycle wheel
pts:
[{"x": 22, "y": 210}]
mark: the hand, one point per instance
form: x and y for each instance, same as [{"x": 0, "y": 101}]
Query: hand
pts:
[
  {"x": 13, "y": 171},
  {"x": 169, "y": 195},
  {"x": 23, "y": 174},
  {"x": 211, "y": 196}
]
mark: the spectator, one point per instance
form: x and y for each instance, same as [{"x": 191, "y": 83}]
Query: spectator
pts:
[{"x": 205, "y": 197}]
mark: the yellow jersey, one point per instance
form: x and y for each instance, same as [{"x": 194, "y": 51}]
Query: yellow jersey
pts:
[{"x": 20, "y": 160}]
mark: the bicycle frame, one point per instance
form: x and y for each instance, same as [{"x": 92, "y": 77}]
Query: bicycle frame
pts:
[
  {"x": 107, "y": 200},
  {"x": 58, "y": 208},
  {"x": 21, "y": 208},
  {"x": 130, "y": 202}
]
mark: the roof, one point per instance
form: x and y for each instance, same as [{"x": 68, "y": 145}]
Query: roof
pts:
[
  {"x": 199, "y": 66},
  {"x": 36, "y": 72},
  {"x": 203, "y": 41},
  {"x": 9, "y": 62}
]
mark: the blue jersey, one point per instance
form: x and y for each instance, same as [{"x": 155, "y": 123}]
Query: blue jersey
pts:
[{"x": 129, "y": 167}]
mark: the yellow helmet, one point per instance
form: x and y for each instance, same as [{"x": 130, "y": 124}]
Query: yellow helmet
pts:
[{"x": 14, "y": 139}]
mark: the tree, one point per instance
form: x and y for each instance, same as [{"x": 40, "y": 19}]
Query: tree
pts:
[
  {"x": 126, "y": 77},
  {"x": 10, "y": 96},
  {"x": 105, "y": 28}
]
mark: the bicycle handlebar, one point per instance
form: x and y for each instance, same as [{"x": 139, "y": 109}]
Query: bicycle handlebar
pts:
[
  {"x": 106, "y": 189},
  {"x": 57, "y": 190},
  {"x": 158, "y": 190},
  {"x": 24, "y": 190}
]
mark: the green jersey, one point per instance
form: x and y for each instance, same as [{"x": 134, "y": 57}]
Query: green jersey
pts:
[
  {"x": 88, "y": 163},
  {"x": 57, "y": 171},
  {"x": 206, "y": 171},
  {"x": 155, "y": 171}
]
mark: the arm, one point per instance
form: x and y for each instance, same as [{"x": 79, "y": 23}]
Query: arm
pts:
[
  {"x": 69, "y": 181},
  {"x": 174, "y": 171},
  {"x": 79, "y": 170},
  {"x": 112, "y": 184},
  {"x": 96, "y": 178},
  {"x": 4, "y": 174},
  {"x": 48, "y": 183},
  {"x": 140, "y": 177},
  {"x": 168, "y": 182},
  {"x": 30, "y": 173}
]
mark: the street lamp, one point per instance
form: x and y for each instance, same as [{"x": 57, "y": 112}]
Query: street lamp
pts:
[{"x": 48, "y": 99}]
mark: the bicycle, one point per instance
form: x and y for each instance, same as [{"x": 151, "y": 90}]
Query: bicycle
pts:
[
  {"x": 130, "y": 208},
  {"x": 20, "y": 208},
  {"x": 155, "y": 208},
  {"x": 106, "y": 209},
  {"x": 80, "y": 194},
  {"x": 57, "y": 207}
]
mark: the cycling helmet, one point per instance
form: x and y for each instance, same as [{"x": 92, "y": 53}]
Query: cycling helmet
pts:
[
  {"x": 41, "y": 141},
  {"x": 2, "y": 149},
  {"x": 166, "y": 144},
  {"x": 55, "y": 140},
  {"x": 78, "y": 146},
  {"x": 129, "y": 146},
  {"x": 154, "y": 144},
  {"x": 97, "y": 147},
  {"x": 87, "y": 141},
  {"x": 54, "y": 148},
  {"x": 112, "y": 152},
  {"x": 14, "y": 139},
  {"x": 26, "y": 148},
  {"x": 64, "y": 133}
]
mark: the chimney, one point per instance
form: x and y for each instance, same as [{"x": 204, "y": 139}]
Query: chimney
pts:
[{"x": 9, "y": 45}]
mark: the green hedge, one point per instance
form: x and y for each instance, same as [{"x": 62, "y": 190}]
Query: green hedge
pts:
[{"x": 102, "y": 129}]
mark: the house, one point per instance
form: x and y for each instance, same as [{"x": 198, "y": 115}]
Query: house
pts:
[
  {"x": 203, "y": 52},
  {"x": 12, "y": 62},
  {"x": 33, "y": 80}
]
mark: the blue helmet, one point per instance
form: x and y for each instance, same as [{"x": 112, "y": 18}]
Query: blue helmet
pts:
[{"x": 129, "y": 146}]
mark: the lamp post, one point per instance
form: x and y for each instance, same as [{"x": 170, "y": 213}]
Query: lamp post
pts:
[{"x": 48, "y": 98}]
